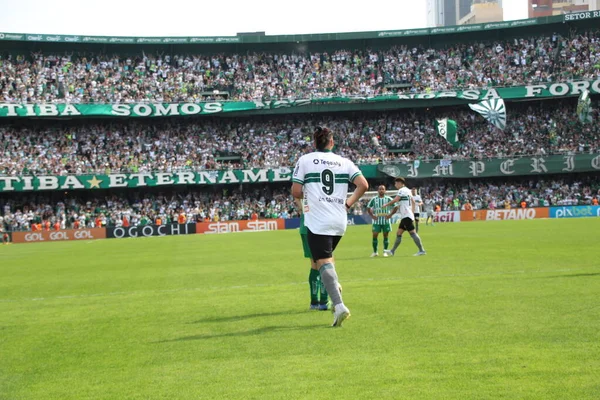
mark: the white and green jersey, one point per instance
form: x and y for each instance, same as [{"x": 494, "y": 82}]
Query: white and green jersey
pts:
[
  {"x": 325, "y": 177},
  {"x": 380, "y": 212},
  {"x": 417, "y": 200},
  {"x": 429, "y": 205},
  {"x": 405, "y": 203}
]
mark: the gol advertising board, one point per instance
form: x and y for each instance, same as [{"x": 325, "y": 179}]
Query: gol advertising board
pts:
[
  {"x": 58, "y": 236},
  {"x": 504, "y": 214},
  {"x": 240, "y": 226},
  {"x": 574, "y": 211}
]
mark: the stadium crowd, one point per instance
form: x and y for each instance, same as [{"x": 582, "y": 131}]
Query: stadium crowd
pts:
[
  {"x": 104, "y": 78},
  {"x": 175, "y": 145},
  {"x": 229, "y": 203},
  {"x": 262, "y": 201}
]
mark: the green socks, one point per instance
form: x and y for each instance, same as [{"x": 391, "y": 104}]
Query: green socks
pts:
[
  {"x": 314, "y": 282},
  {"x": 386, "y": 244}
]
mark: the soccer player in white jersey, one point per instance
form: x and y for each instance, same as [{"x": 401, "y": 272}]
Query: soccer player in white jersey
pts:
[
  {"x": 429, "y": 203},
  {"x": 321, "y": 179},
  {"x": 418, "y": 207},
  {"x": 407, "y": 217}
]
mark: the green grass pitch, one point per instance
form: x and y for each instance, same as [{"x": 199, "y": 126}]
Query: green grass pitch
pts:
[{"x": 496, "y": 310}]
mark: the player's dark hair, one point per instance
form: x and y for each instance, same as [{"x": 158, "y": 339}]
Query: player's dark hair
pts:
[{"x": 322, "y": 136}]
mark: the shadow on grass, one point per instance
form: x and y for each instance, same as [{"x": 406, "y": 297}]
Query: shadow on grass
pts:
[
  {"x": 572, "y": 275},
  {"x": 248, "y": 316},
  {"x": 253, "y": 332}
]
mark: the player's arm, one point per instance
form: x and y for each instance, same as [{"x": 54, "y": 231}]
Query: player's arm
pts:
[
  {"x": 370, "y": 212},
  {"x": 391, "y": 203},
  {"x": 298, "y": 180},
  {"x": 298, "y": 203},
  {"x": 412, "y": 204},
  {"x": 361, "y": 187},
  {"x": 394, "y": 211},
  {"x": 370, "y": 209},
  {"x": 297, "y": 191}
]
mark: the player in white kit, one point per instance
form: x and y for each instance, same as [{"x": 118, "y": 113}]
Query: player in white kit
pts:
[
  {"x": 407, "y": 217},
  {"x": 418, "y": 207},
  {"x": 321, "y": 180}
]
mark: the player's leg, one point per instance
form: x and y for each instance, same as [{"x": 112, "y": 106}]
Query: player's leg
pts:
[
  {"x": 417, "y": 222},
  {"x": 375, "y": 242},
  {"x": 386, "y": 241},
  {"x": 398, "y": 238},
  {"x": 417, "y": 239},
  {"x": 323, "y": 296},
  {"x": 322, "y": 247},
  {"x": 313, "y": 276}
]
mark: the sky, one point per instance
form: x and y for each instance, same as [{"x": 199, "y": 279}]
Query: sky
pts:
[{"x": 218, "y": 18}]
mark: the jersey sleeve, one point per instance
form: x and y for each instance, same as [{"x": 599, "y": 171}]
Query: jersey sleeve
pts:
[
  {"x": 299, "y": 171},
  {"x": 370, "y": 205},
  {"x": 353, "y": 171}
]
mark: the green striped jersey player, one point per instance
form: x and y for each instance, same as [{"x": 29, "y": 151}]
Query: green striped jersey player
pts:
[{"x": 381, "y": 219}]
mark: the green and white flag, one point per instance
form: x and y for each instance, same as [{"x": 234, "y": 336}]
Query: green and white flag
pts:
[
  {"x": 584, "y": 109},
  {"x": 446, "y": 128},
  {"x": 493, "y": 110}
]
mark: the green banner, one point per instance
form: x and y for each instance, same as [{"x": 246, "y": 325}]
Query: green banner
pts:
[
  {"x": 298, "y": 38},
  {"x": 137, "y": 180},
  {"x": 115, "y": 39},
  {"x": 534, "y": 165},
  {"x": 554, "y": 90}
]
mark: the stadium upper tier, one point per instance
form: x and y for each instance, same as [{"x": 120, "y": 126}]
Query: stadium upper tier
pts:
[
  {"x": 196, "y": 75},
  {"x": 169, "y": 145}
]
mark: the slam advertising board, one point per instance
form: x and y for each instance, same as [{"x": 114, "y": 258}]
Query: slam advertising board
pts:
[
  {"x": 503, "y": 214},
  {"x": 574, "y": 211},
  {"x": 150, "y": 230},
  {"x": 240, "y": 226},
  {"x": 57, "y": 236}
]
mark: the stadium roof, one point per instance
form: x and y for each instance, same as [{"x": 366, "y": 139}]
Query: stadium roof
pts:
[{"x": 30, "y": 37}]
